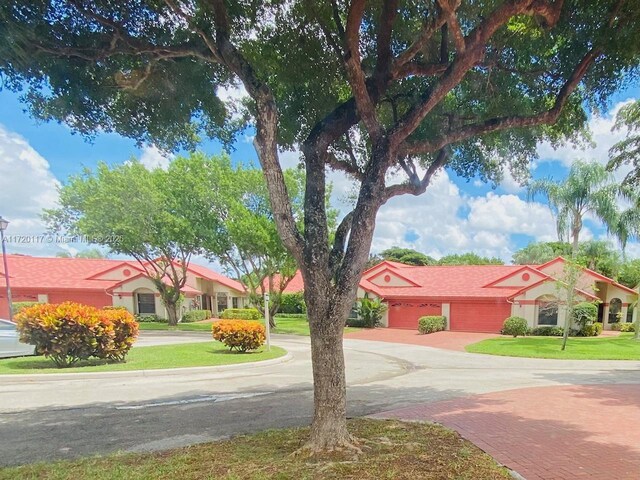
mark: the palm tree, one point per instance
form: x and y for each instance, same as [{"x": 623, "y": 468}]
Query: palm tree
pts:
[{"x": 588, "y": 189}]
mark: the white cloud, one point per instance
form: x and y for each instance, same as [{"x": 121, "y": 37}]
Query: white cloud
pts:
[
  {"x": 448, "y": 221},
  {"x": 603, "y": 138},
  {"x": 26, "y": 187},
  {"x": 153, "y": 158}
]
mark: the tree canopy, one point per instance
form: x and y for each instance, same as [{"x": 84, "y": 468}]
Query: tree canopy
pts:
[
  {"x": 627, "y": 151},
  {"x": 407, "y": 256},
  {"x": 469, "y": 258},
  {"x": 598, "y": 255},
  {"x": 137, "y": 212},
  {"x": 365, "y": 88}
]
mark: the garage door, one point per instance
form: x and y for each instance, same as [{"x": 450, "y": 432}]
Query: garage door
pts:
[
  {"x": 406, "y": 315},
  {"x": 479, "y": 317},
  {"x": 95, "y": 299}
]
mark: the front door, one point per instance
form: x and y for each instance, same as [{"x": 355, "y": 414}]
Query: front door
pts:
[{"x": 223, "y": 303}]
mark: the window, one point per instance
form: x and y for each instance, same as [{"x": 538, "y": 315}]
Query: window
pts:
[
  {"x": 222, "y": 302},
  {"x": 615, "y": 310},
  {"x": 547, "y": 311},
  {"x": 234, "y": 302},
  {"x": 146, "y": 303}
]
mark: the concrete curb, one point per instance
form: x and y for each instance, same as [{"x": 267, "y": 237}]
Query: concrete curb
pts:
[{"x": 9, "y": 379}]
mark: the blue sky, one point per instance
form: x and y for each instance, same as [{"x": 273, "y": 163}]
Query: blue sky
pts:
[{"x": 454, "y": 216}]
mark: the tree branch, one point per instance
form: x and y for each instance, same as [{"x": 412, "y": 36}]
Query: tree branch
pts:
[
  {"x": 514, "y": 121},
  {"x": 266, "y": 139},
  {"x": 339, "y": 241},
  {"x": 474, "y": 51},
  {"x": 364, "y": 103},
  {"x": 449, "y": 12},
  {"x": 383, "y": 45},
  {"x": 416, "y": 186}
]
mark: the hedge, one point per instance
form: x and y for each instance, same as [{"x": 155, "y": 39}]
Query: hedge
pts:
[
  {"x": 547, "y": 331},
  {"x": 292, "y": 303},
  {"x": 150, "y": 319},
  {"x": 590, "y": 330},
  {"x": 241, "y": 314},
  {"x": 240, "y": 335},
  {"x": 624, "y": 327},
  {"x": 356, "y": 322},
  {"x": 69, "y": 332},
  {"x": 431, "y": 324},
  {"x": 291, "y": 315},
  {"x": 196, "y": 316}
]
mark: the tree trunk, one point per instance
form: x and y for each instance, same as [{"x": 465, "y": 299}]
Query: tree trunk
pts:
[
  {"x": 172, "y": 312},
  {"x": 329, "y": 426},
  {"x": 572, "y": 280}
]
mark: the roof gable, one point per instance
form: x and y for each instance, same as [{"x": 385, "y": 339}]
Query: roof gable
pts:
[
  {"x": 117, "y": 272},
  {"x": 389, "y": 277},
  {"x": 523, "y": 277}
]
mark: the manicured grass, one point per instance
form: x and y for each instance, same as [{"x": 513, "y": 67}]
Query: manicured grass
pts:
[
  {"x": 203, "y": 354},
  {"x": 391, "y": 450},
  {"x": 624, "y": 347},
  {"x": 288, "y": 326}
]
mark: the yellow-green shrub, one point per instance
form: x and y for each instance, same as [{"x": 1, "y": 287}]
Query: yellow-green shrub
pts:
[
  {"x": 239, "y": 335},
  {"x": 69, "y": 332}
]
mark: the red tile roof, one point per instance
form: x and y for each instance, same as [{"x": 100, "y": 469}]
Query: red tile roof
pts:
[
  {"x": 53, "y": 273},
  {"x": 456, "y": 281},
  {"x": 451, "y": 281}
]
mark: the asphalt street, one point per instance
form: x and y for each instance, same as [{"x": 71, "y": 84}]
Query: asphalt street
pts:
[{"x": 47, "y": 417}]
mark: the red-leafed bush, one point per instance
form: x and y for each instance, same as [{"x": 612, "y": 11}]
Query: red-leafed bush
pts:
[
  {"x": 239, "y": 335},
  {"x": 69, "y": 332}
]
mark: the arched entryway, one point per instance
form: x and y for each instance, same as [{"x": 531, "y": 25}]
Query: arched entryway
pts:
[{"x": 615, "y": 310}]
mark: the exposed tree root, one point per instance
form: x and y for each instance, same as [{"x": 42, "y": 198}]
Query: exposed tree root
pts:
[{"x": 350, "y": 447}]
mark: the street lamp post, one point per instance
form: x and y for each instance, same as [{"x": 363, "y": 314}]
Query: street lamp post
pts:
[{"x": 3, "y": 226}]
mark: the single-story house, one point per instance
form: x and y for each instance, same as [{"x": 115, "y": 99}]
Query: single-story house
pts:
[
  {"x": 102, "y": 282},
  {"x": 478, "y": 298}
]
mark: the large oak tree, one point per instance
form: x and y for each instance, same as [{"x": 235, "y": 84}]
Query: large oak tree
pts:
[{"x": 366, "y": 88}]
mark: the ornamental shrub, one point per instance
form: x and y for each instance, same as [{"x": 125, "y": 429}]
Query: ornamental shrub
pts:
[
  {"x": 17, "y": 306},
  {"x": 69, "y": 332},
  {"x": 239, "y": 335},
  {"x": 292, "y": 303},
  {"x": 125, "y": 332},
  {"x": 624, "y": 327},
  {"x": 547, "y": 331},
  {"x": 590, "y": 330},
  {"x": 515, "y": 326},
  {"x": 241, "y": 314},
  {"x": 370, "y": 312},
  {"x": 196, "y": 316},
  {"x": 431, "y": 324},
  {"x": 585, "y": 313}
]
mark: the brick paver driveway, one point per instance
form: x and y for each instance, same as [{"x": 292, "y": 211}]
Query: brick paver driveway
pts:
[
  {"x": 563, "y": 432},
  {"x": 447, "y": 340}
]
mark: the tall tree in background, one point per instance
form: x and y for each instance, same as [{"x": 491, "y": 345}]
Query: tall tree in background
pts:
[
  {"x": 597, "y": 255},
  {"x": 469, "y": 258},
  {"x": 88, "y": 253},
  {"x": 136, "y": 212},
  {"x": 627, "y": 151},
  {"x": 407, "y": 256},
  {"x": 366, "y": 88},
  {"x": 588, "y": 189}
]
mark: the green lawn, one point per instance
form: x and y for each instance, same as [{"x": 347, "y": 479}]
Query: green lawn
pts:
[
  {"x": 203, "y": 354},
  {"x": 624, "y": 347},
  {"x": 390, "y": 450},
  {"x": 289, "y": 326}
]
